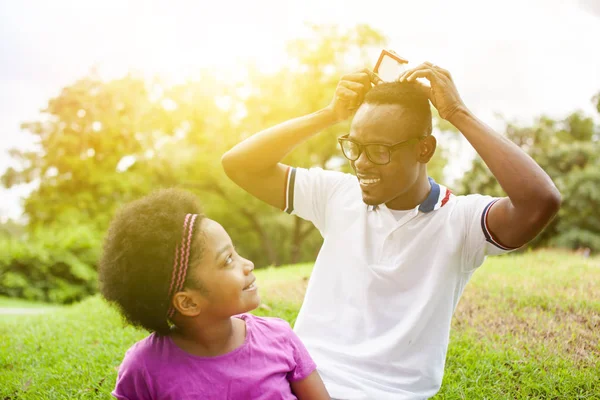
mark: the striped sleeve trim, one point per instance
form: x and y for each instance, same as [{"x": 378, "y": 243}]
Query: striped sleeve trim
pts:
[
  {"x": 289, "y": 190},
  {"x": 486, "y": 229}
]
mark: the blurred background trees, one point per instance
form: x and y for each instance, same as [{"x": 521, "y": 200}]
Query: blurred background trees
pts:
[
  {"x": 104, "y": 143},
  {"x": 569, "y": 151}
]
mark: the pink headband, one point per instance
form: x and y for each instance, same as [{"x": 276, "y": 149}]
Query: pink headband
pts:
[{"x": 182, "y": 258}]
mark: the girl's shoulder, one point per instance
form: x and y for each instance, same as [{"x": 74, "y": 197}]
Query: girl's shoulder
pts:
[
  {"x": 143, "y": 365},
  {"x": 272, "y": 327},
  {"x": 146, "y": 351}
]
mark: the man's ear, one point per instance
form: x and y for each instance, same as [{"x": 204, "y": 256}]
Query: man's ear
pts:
[
  {"x": 426, "y": 149},
  {"x": 188, "y": 303}
]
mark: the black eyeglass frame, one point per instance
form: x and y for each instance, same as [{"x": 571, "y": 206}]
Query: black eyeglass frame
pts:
[{"x": 389, "y": 147}]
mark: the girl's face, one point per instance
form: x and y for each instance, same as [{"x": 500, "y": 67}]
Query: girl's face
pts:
[{"x": 230, "y": 286}]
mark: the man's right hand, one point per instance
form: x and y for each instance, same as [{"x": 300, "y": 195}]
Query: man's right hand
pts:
[
  {"x": 350, "y": 93},
  {"x": 255, "y": 164}
]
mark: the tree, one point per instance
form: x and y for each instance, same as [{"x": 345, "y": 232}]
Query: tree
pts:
[
  {"x": 87, "y": 132},
  {"x": 596, "y": 101},
  {"x": 102, "y": 144},
  {"x": 568, "y": 151}
]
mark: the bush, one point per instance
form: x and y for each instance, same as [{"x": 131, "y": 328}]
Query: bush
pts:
[{"x": 52, "y": 265}]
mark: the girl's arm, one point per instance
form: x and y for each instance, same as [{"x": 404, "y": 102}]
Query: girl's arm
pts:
[{"x": 310, "y": 388}]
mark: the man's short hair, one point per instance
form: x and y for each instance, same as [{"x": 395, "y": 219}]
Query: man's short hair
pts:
[{"x": 409, "y": 96}]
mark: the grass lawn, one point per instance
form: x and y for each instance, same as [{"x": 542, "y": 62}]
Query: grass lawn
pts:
[
  {"x": 7, "y": 302},
  {"x": 527, "y": 327}
]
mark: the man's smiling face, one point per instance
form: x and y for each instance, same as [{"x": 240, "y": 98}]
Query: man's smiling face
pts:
[{"x": 386, "y": 124}]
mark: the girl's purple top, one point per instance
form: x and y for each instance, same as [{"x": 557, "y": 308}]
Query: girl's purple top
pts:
[{"x": 270, "y": 358}]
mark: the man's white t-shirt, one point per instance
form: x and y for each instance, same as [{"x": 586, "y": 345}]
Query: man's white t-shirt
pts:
[{"x": 377, "y": 311}]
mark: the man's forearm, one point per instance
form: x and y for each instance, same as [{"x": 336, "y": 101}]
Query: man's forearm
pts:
[
  {"x": 267, "y": 148},
  {"x": 527, "y": 185}
]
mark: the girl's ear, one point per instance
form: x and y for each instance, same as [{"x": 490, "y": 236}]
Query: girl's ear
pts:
[{"x": 188, "y": 303}]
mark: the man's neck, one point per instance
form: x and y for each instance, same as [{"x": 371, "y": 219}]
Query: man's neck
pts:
[{"x": 413, "y": 197}]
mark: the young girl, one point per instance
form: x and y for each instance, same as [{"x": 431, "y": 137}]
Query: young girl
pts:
[{"x": 175, "y": 272}]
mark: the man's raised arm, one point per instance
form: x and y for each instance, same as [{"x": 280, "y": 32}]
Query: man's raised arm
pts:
[
  {"x": 254, "y": 164},
  {"x": 532, "y": 200}
]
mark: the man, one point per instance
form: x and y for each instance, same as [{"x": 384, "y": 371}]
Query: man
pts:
[{"x": 398, "y": 247}]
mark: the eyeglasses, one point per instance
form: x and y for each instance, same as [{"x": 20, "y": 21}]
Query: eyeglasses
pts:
[{"x": 377, "y": 153}]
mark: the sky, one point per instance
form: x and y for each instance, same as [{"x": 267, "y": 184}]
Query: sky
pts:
[{"x": 514, "y": 58}]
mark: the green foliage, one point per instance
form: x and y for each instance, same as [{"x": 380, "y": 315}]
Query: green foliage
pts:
[
  {"x": 526, "y": 328},
  {"x": 568, "y": 150},
  {"x": 105, "y": 143},
  {"x": 596, "y": 101},
  {"x": 53, "y": 265},
  {"x": 87, "y": 130},
  {"x": 11, "y": 228}
]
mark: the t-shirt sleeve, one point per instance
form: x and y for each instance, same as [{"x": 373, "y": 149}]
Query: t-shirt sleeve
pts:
[
  {"x": 132, "y": 379},
  {"x": 479, "y": 241},
  {"x": 304, "y": 364},
  {"x": 308, "y": 192}
]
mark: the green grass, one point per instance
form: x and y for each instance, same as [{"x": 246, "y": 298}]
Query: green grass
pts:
[
  {"x": 7, "y": 302},
  {"x": 527, "y": 327}
]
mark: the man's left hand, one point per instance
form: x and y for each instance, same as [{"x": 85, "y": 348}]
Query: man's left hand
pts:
[{"x": 442, "y": 93}]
